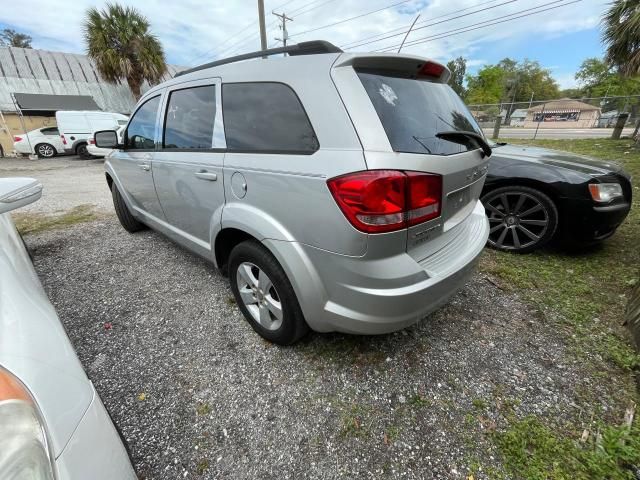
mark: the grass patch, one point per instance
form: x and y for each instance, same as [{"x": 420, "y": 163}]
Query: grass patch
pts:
[
  {"x": 203, "y": 408},
  {"x": 532, "y": 451},
  {"x": 28, "y": 223},
  {"x": 355, "y": 421},
  {"x": 202, "y": 467},
  {"x": 589, "y": 289}
]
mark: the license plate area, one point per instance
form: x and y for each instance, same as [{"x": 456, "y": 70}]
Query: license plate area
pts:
[{"x": 457, "y": 200}]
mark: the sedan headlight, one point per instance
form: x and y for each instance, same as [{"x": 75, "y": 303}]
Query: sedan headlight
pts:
[
  {"x": 605, "y": 192},
  {"x": 24, "y": 451}
]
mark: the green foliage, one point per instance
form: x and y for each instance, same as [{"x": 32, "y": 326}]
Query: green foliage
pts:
[
  {"x": 533, "y": 451},
  {"x": 599, "y": 79},
  {"x": 621, "y": 36},
  {"x": 509, "y": 80},
  {"x": 458, "y": 68},
  {"x": 11, "y": 38},
  {"x": 119, "y": 41},
  {"x": 27, "y": 223}
]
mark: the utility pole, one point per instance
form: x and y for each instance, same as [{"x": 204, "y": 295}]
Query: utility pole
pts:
[
  {"x": 263, "y": 32},
  {"x": 283, "y": 26}
]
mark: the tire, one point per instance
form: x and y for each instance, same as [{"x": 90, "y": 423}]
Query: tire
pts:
[
  {"x": 1, "y": 152},
  {"x": 128, "y": 221},
  {"x": 45, "y": 150},
  {"x": 244, "y": 260},
  {"x": 81, "y": 151},
  {"x": 521, "y": 219}
]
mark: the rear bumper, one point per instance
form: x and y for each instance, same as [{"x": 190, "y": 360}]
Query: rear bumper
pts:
[
  {"x": 95, "y": 450},
  {"x": 375, "y": 296}
]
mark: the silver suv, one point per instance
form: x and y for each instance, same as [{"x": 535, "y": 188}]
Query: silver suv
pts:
[{"x": 338, "y": 191}]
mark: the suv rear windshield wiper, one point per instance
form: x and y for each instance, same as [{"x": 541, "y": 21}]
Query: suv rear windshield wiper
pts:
[{"x": 459, "y": 136}]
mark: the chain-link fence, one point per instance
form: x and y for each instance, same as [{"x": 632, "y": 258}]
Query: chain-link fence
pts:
[{"x": 562, "y": 118}]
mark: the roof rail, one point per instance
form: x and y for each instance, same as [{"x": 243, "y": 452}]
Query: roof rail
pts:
[{"x": 304, "y": 48}]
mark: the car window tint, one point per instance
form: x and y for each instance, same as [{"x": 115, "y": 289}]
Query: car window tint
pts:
[
  {"x": 189, "y": 118},
  {"x": 265, "y": 117},
  {"x": 413, "y": 111},
  {"x": 50, "y": 131},
  {"x": 140, "y": 133}
]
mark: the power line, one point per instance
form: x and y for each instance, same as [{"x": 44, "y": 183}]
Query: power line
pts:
[
  {"x": 438, "y": 23},
  {"x": 349, "y": 19},
  {"x": 346, "y": 45},
  {"x": 298, "y": 13},
  {"x": 468, "y": 28}
]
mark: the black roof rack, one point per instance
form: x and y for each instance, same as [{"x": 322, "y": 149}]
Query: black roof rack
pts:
[{"x": 304, "y": 48}]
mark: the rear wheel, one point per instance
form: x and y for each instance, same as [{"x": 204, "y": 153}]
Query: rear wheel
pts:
[
  {"x": 82, "y": 152},
  {"x": 128, "y": 221},
  {"x": 265, "y": 295},
  {"x": 521, "y": 219},
  {"x": 44, "y": 150}
]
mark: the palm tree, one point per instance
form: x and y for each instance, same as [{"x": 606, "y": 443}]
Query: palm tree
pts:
[
  {"x": 621, "y": 36},
  {"x": 119, "y": 41}
]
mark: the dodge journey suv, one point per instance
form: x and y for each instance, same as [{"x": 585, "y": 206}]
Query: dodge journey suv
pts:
[{"x": 338, "y": 191}]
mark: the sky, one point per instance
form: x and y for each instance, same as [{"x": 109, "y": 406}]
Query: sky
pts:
[{"x": 197, "y": 31}]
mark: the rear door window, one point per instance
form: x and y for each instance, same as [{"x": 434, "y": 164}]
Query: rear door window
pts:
[
  {"x": 190, "y": 117},
  {"x": 413, "y": 111},
  {"x": 141, "y": 131},
  {"x": 266, "y": 117},
  {"x": 52, "y": 131}
]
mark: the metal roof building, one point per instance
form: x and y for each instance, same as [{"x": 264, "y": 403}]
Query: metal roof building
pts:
[{"x": 25, "y": 70}]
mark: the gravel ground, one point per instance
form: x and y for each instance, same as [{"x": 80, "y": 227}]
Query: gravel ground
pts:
[
  {"x": 68, "y": 181},
  {"x": 199, "y": 395}
]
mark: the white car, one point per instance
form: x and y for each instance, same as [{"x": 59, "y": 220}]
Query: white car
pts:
[
  {"x": 44, "y": 142},
  {"x": 102, "y": 152},
  {"x": 77, "y": 126},
  {"x": 53, "y": 423}
]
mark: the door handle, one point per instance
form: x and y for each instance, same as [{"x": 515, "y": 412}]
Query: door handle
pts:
[
  {"x": 204, "y": 175},
  {"x": 145, "y": 166}
]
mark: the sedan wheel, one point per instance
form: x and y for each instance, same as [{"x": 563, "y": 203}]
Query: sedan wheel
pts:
[
  {"x": 44, "y": 150},
  {"x": 521, "y": 219},
  {"x": 259, "y": 296}
]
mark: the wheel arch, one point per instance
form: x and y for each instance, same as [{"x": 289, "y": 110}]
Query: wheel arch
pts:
[
  {"x": 225, "y": 241},
  {"x": 544, "y": 187}
]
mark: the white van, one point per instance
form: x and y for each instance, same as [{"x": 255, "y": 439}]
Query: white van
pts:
[{"x": 76, "y": 127}]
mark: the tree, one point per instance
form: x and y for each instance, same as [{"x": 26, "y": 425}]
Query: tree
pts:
[
  {"x": 11, "y": 38},
  {"x": 119, "y": 41},
  {"x": 487, "y": 86},
  {"x": 621, "y": 36},
  {"x": 600, "y": 79},
  {"x": 458, "y": 68}
]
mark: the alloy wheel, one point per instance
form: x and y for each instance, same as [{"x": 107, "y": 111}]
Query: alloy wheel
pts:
[
  {"x": 259, "y": 296},
  {"x": 46, "y": 151},
  {"x": 517, "y": 220}
]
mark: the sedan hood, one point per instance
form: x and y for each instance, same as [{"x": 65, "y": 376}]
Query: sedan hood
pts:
[
  {"x": 545, "y": 156},
  {"x": 34, "y": 345}
]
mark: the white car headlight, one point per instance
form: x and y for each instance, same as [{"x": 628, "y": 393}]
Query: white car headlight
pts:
[
  {"x": 24, "y": 450},
  {"x": 605, "y": 192}
]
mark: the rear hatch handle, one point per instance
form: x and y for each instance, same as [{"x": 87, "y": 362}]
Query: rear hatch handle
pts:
[{"x": 461, "y": 136}]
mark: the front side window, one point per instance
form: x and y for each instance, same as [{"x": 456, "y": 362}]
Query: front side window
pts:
[
  {"x": 266, "y": 117},
  {"x": 190, "y": 117},
  {"x": 413, "y": 111},
  {"x": 141, "y": 131}
]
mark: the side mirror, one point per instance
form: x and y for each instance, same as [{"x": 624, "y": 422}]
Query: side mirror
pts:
[
  {"x": 17, "y": 192},
  {"x": 106, "y": 139}
]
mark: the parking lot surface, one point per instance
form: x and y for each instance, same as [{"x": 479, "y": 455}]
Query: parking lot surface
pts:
[{"x": 198, "y": 394}]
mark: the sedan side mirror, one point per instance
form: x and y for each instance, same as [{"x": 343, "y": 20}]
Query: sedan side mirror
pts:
[
  {"x": 106, "y": 139},
  {"x": 17, "y": 192}
]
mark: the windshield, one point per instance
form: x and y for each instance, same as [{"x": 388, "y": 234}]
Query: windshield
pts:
[{"x": 413, "y": 111}]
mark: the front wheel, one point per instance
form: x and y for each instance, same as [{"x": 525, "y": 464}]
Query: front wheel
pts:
[
  {"x": 128, "y": 221},
  {"x": 265, "y": 295},
  {"x": 521, "y": 219}
]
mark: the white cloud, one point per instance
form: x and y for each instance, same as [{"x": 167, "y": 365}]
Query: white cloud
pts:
[{"x": 196, "y": 31}]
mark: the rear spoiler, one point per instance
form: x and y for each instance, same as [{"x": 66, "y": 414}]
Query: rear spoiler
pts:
[{"x": 420, "y": 67}]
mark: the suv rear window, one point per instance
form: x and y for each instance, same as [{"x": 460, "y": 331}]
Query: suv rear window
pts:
[
  {"x": 266, "y": 117},
  {"x": 413, "y": 111}
]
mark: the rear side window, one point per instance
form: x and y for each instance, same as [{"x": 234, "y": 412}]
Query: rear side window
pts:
[
  {"x": 140, "y": 133},
  {"x": 50, "y": 131},
  {"x": 189, "y": 119},
  {"x": 413, "y": 111},
  {"x": 266, "y": 117}
]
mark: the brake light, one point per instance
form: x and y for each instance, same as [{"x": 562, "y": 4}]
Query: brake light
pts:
[
  {"x": 17, "y": 139},
  {"x": 64, "y": 140},
  {"x": 377, "y": 201},
  {"x": 91, "y": 141},
  {"x": 431, "y": 69}
]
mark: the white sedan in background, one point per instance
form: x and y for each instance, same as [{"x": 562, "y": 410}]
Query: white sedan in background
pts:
[
  {"x": 53, "y": 424},
  {"x": 44, "y": 142},
  {"x": 102, "y": 152}
]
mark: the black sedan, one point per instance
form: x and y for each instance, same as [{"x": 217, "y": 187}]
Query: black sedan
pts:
[{"x": 533, "y": 195}]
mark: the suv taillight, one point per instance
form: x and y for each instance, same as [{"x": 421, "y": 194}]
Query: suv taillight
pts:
[{"x": 377, "y": 201}]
